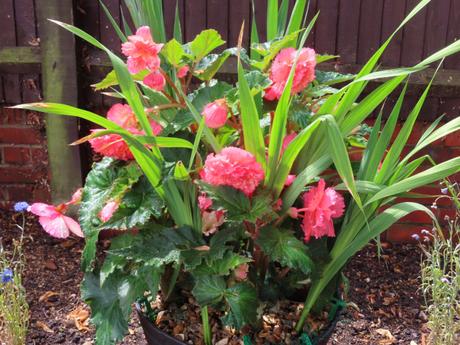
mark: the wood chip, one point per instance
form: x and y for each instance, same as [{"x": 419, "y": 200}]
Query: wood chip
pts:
[{"x": 44, "y": 327}]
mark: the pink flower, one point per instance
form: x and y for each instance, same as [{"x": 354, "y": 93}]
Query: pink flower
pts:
[
  {"x": 142, "y": 51},
  {"x": 290, "y": 179},
  {"x": 233, "y": 167},
  {"x": 241, "y": 272},
  {"x": 108, "y": 210},
  {"x": 278, "y": 205},
  {"x": 155, "y": 80},
  {"x": 321, "y": 205},
  {"x": 204, "y": 202},
  {"x": 287, "y": 140},
  {"x": 156, "y": 127},
  {"x": 76, "y": 197},
  {"x": 182, "y": 72},
  {"x": 281, "y": 67},
  {"x": 122, "y": 115},
  {"x": 113, "y": 145},
  {"x": 215, "y": 113},
  {"x": 53, "y": 221},
  {"x": 211, "y": 221}
]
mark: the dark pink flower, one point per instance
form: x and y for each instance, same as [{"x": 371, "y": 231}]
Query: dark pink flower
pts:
[
  {"x": 182, "y": 72},
  {"x": 215, "y": 113},
  {"x": 204, "y": 202},
  {"x": 233, "y": 167},
  {"x": 287, "y": 140},
  {"x": 113, "y": 145},
  {"x": 321, "y": 205},
  {"x": 142, "y": 51},
  {"x": 53, "y": 220},
  {"x": 290, "y": 179},
  {"x": 155, "y": 80},
  {"x": 281, "y": 67},
  {"x": 122, "y": 115},
  {"x": 108, "y": 210}
]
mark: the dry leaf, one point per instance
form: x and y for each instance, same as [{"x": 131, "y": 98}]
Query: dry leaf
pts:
[
  {"x": 47, "y": 295},
  {"x": 44, "y": 326},
  {"x": 80, "y": 316},
  {"x": 389, "y": 338}
]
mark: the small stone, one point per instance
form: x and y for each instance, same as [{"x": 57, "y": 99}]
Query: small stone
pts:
[
  {"x": 180, "y": 337},
  {"x": 51, "y": 265},
  {"x": 422, "y": 316}
]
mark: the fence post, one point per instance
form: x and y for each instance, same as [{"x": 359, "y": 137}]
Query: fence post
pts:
[{"x": 59, "y": 84}]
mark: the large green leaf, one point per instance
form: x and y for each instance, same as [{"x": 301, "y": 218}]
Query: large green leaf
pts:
[
  {"x": 282, "y": 246},
  {"x": 173, "y": 52},
  {"x": 243, "y": 303},
  {"x": 204, "y": 43},
  {"x": 209, "y": 290}
]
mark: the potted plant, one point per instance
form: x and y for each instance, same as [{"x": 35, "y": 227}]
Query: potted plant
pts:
[{"x": 243, "y": 196}]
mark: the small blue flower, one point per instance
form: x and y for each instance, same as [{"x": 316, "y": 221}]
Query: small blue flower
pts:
[
  {"x": 6, "y": 276},
  {"x": 21, "y": 206},
  {"x": 444, "y": 190}
]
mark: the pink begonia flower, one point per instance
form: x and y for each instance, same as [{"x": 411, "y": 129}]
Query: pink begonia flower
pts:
[
  {"x": 278, "y": 205},
  {"x": 233, "y": 167},
  {"x": 155, "y": 81},
  {"x": 215, "y": 113},
  {"x": 211, "y": 220},
  {"x": 204, "y": 202},
  {"x": 53, "y": 220},
  {"x": 321, "y": 205},
  {"x": 76, "y": 197},
  {"x": 122, "y": 115},
  {"x": 241, "y": 272},
  {"x": 182, "y": 72},
  {"x": 142, "y": 51},
  {"x": 113, "y": 145},
  {"x": 287, "y": 140},
  {"x": 290, "y": 179},
  {"x": 281, "y": 67},
  {"x": 108, "y": 210}
]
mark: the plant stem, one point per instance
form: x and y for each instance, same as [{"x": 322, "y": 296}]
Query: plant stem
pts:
[{"x": 206, "y": 327}]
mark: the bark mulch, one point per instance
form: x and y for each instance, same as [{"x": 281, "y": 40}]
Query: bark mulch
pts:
[{"x": 384, "y": 300}]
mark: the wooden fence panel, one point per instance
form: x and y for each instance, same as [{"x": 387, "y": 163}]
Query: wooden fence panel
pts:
[
  {"x": 370, "y": 25},
  {"x": 348, "y": 31},
  {"x": 326, "y": 26},
  {"x": 217, "y": 18},
  {"x": 393, "y": 15},
  {"x": 195, "y": 18},
  {"x": 453, "y": 32},
  {"x": 413, "y": 36}
]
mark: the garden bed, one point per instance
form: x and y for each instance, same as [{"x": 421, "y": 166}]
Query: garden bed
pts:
[{"x": 386, "y": 301}]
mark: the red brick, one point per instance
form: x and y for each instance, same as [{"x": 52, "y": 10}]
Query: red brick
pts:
[
  {"x": 16, "y": 135},
  {"x": 39, "y": 156},
  {"x": 16, "y": 155},
  {"x": 403, "y": 232},
  {"x": 453, "y": 139},
  {"x": 12, "y": 116},
  {"x": 19, "y": 175}
]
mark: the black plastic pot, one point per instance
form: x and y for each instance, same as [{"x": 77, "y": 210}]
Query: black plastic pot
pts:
[{"x": 155, "y": 336}]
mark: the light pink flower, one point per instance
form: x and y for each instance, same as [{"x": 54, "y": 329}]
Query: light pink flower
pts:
[
  {"x": 142, "y": 51},
  {"x": 53, "y": 220},
  {"x": 321, "y": 205},
  {"x": 211, "y": 220},
  {"x": 76, "y": 197},
  {"x": 182, "y": 72},
  {"x": 113, "y": 145},
  {"x": 287, "y": 140},
  {"x": 233, "y": 167},
  {"x": 215, "y": 113},
  {"x": 204, "y": 202},
  {"x": 281, "y": 67},
  {"x": 122, "y": 115},
  {"x": 155, "y": 80},
  {"x": 108, "y": 210},
  {"x": 290, "y": 179},
  {"x": 241, "y": 272}
]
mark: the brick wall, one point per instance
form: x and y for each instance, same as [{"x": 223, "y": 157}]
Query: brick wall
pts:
[{"x": 23, "y": 157}]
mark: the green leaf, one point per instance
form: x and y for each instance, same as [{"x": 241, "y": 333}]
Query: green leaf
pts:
[
  {"x": 331, "y": 78},
  {"x": 108, "y": 179},
  {"x": 114, "y": 24},
  {"x": 177, "y": 27},
  {"x": 252, "y": 133},
  {"x": 221, "y": 266},
  {"x": 204, "y": 43},
  {"x": 138, "y": 206},
  {"x": 209, "y": 290},
  {"x": 173, "y": 53},
  {"x": 243, "y": 303},
  {"x": 272, "y": 19},
  {"x": 210, "y": 65},
  {"x": 282, "y": 246},
  {"x": 298, "y": 13}
]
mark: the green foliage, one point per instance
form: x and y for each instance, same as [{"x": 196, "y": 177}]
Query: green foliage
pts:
[
  {"x": 281, "y": 245},
  {"x": 204, "y": 43}
]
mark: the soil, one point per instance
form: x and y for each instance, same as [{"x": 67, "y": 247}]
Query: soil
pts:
[{"x": 384, "y": 298}]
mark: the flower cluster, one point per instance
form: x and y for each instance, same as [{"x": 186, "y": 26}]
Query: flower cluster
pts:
[
  {"x": 6, "y": 276},
  {"x": 142, "y": 53}
]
